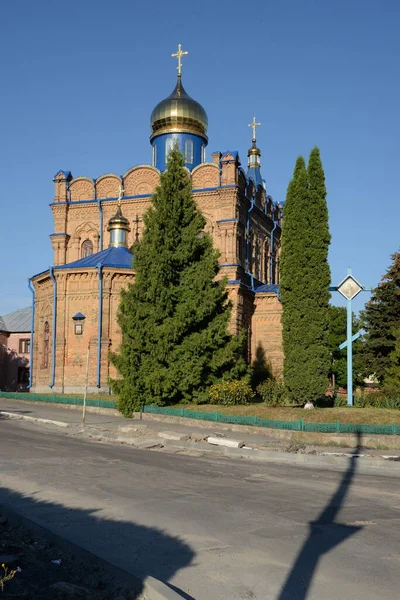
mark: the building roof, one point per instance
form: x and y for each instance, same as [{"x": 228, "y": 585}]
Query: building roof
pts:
[
  {"x": 19, "y": 321},
  {"x": 233, "y": 153},
  {"x": 111, "y": 257},
  {"x": 267, "y": 287}
]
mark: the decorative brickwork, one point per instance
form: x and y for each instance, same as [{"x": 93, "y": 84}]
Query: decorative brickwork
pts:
[
  {"x": 267, "y": 330},
  {"x": 224, "y": 196},
  {"x": 141, "y": 180},
  {"x": 107, "y": 186},
  {"x": 81, "y": 188},
  {"x": 205, "y": 176}
]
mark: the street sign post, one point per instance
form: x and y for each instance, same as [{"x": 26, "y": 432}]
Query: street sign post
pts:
[{"x": 349, "y": 288}]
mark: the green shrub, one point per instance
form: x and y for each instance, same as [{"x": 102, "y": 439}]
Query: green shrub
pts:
[
  {"x": 273, "y": 392},
  {"x": 377, "y": 400},
  {"x": 230, "y": 393},
  {"x": 340, "y": 401},
  {"x": 371, "y": 400}
]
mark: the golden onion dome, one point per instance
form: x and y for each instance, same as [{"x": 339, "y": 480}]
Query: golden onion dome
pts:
[
  {"x": 254, "y": 151},
  {"x": 118, "y": 221},
  {"x": 179, "y": 113}
]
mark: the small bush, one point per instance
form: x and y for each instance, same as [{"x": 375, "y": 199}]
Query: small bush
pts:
[
  {"x": 340, "y": 401},
  {"x": 230, "y": 393},
  {"x": 371, "y": 400},
  {"x": 273, "y": 392},
  {"x": 377, "y": 400}
]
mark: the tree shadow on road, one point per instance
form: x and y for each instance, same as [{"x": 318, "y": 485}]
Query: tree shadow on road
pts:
[
  {"x": 325, "y": 534},
  {"x": 137, "y": 549}
]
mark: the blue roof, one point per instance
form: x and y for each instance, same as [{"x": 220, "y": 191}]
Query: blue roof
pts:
[
  {"x": 111, "y": 257},
  {"x": 67, "y": 174},
  {"x": 268, "y": 287},
  {"x": 79, "y": 316},
  {"x": 234, "y": 153},
  {"x": 254, "y": 173}
]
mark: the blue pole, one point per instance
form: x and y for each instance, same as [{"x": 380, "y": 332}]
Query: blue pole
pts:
[
  {"x": 53, "y": 349},
  {"x": 248, "y": 258},
  {"x": 271, "y": 254},
  {"x": 32, "y": 334},
  {"x": 100, "y": 324},
  {"x": 101, "y": 223},
  {"x": 349, "y": 352}
]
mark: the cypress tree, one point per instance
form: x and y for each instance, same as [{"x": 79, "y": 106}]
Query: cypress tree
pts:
[
  {"x": 174, "y": 317},
  {"x": 304, "y": 281},
  {"x": 381, "y": 320}
]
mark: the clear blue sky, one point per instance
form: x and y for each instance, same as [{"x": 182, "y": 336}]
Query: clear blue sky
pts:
[{"x": 80, "y": 78}]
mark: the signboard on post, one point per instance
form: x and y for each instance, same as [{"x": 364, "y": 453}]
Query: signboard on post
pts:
[{"x": 349, "y": 288}]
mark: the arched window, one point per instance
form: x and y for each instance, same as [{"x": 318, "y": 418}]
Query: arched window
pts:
[
  {"x": 169, "y": 142},
  {"x": 189, "y": 152},
  {"x": 154, "y": 155},
  {"x": 87, "y": 248},
  {"x": 46, "y": 344},
  {"x": 203, "y": 153}
]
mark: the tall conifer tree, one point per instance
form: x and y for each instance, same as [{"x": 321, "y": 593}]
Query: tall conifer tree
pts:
[
  {"x": 174, "y": 317},
  {"x": 304, "y": 281},
  {"x": 381, "y": 319}
]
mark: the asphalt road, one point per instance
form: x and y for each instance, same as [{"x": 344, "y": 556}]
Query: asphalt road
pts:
[{"x": 217, "y": 529}]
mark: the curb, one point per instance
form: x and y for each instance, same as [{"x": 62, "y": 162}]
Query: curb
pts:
[
  {"x": 366, "y": 465},
  {"x": 152, "y": 588},
  {"x": 9, "y": 415},
  {"x": 157, "y": 590},
  {"x": 372, "y": 441}
]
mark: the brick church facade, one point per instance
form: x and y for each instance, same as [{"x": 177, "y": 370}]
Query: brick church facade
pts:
[{"x": 96, "y": 222}]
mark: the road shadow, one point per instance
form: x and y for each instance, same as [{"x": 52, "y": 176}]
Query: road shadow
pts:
[
  {"x": 142, "y": 551},
  {"x": 324, "y": 535}
]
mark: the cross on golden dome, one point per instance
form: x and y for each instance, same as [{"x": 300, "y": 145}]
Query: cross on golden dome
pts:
[
  {"x": 120, "y": 193},
  {"x": 179, "y": 55},
  {"x": 254, "y": 124}
]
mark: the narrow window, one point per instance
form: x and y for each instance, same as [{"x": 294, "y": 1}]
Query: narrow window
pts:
[
  {"x": 189, "y": 152},
  {"x": 24, "y": 346},
  {"x": 203, "y": 154},
  {"x": 87, "y": 248},
  {"x": 154, "y": 155},
  {"x": 46, "y": 344},
  {"x": 169, "y": 142}
]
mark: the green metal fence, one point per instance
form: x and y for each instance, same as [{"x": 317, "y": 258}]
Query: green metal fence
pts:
[
  {"x": 57, "y": 399},
  {"x": 300, "y": 425}
]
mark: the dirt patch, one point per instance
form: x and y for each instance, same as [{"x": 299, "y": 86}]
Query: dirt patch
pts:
[{"x": 46, "y": 573}]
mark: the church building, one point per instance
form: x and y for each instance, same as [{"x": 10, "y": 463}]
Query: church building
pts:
[{"x": 96, "y": 221}]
